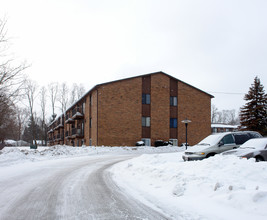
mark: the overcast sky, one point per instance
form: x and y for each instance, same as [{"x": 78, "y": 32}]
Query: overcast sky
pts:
[{"x": 218, "y": 46}]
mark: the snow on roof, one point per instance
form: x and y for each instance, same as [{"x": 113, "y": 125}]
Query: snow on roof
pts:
[{"x": 223, "y": 126}]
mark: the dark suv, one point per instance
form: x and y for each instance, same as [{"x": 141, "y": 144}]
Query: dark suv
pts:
[{"x": 159, "y": 143}]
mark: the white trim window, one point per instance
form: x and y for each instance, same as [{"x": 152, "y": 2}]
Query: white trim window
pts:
[
  {"x": 173, "y": 100},
  {"x": 145, "y": 121}
]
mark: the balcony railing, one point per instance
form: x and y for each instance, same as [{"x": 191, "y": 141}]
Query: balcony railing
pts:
[
  {"x": 60, "y": 137},
  {"x": 77, "y": 113},
  {"x": 69, "y": 121},
  {"x": 59, "y": 126},
  {"x": 77, "y": 109},
  {"x": 50, "y": 131},
  {"x": 77, "y": 132}
]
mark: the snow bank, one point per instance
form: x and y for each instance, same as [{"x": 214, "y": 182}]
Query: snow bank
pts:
[
  {"x": 221, "y": 187},
  {"x": 14, "y": 155}
]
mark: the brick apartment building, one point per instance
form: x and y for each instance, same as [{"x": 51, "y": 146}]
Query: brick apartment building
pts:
[{"x": 148, "y": 107}]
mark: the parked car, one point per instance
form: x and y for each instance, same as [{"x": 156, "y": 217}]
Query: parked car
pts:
[
  {"x": 253, "y": 148},
  {"x": 218, "y": 143},
  {"x": 159, "y": 143},
  {"x": 140, "y": 143}
]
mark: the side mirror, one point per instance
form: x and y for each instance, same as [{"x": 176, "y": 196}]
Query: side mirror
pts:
[{"x": 221, "y": 143}]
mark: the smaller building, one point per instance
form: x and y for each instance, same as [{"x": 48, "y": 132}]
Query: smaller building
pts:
[{"x": 218, "y": 128}]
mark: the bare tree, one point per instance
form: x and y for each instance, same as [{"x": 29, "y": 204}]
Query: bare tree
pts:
[
  {"x": 53, "y": 90},
  {"x": 224, "y": 116},
  {"x": 80, "y": 91},
  {"x": 43, "y": 118},
  {"x": 73, "y": 94},
  {"x": 31, "y": 93},
  {"x": 11, "y": 84},
  {"x": 11, "y": 76},
  {"x": 63, "y": 97},
  {"x": 22, "y": 116},
  {"x": 214, "y": 113},
  {"x": 76, "y": 93}
]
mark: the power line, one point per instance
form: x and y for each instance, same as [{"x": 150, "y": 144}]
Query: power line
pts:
[{"x": 228, "y": 93}]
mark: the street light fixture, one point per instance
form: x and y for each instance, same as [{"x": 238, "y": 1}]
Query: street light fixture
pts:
[{"x": 186, "y": 121}]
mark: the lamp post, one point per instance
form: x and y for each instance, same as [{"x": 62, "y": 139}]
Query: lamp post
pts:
[{"x": 186, "y": 121}]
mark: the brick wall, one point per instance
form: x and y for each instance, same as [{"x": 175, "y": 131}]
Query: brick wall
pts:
[
  {"x": 94, "y": 113},
  {"x": 160, "y": 107},
  {"x": 119, "y": 112},
  {"x": 195, "y": 106},
  {"x": 87, "y": 120}
]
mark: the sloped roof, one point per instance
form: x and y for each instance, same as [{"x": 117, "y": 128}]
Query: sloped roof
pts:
[{"x": 160, "y": 72}]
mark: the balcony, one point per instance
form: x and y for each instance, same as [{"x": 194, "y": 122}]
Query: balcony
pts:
[
  {"x": 77, "y": 133},
  {"x": 69, "y": 120},
  {"x": 68, "y": 135},
  {"x": 60, "y": 137},
  {"x": 50, "y": 131},
  {"x": 77, "y": 113},
  {"x": 59, "y": 126}
]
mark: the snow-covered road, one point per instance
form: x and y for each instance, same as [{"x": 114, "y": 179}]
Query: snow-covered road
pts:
[
  {"x": 63, "y": 182},
  {"x": 68, "y": 188}
]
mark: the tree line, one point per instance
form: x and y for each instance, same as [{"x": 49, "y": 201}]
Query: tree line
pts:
[
  {"x": 224, "y": 117},
  {"x": 19, "y": 96}
]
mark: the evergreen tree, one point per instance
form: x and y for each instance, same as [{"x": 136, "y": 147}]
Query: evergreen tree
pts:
[
  {"x": 33, "y": 130},
  {"x": 253, "y": 113}
]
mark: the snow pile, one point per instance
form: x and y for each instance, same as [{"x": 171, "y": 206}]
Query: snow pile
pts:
[
  {"x": 13, "y": 155},
  {"x": 221, "y": 187}
]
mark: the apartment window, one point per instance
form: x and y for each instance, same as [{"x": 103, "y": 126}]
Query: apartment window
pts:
[
  {"x": 173, "y": 123},
  {"x": 173, "y": 100},
  {"x": 145, "y": 121},
  {"x": 145, "y": 98},
  {"x": 90, "y": 123},
  {"x": 228, "y": 139},
  {"x": 83, "y": 107}
]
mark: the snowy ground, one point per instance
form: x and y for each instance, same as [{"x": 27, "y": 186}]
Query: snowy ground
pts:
[
  {"x": 15, "y": 155},
  {"x": 221, "y": 187}
]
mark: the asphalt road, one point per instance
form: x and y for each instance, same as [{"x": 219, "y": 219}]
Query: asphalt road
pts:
[{"x": 72, "y": 188}]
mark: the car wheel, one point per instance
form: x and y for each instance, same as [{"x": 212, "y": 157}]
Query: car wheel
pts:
[
  {"x": 259, "y": 159},
  {"x": 210, "y": 155}
]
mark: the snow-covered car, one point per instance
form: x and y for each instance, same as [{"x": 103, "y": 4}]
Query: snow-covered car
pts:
[
  {"x": 218, "y": 143},
  {"x": 253, "y": 148},
  {"x": 140, "y": 143}
]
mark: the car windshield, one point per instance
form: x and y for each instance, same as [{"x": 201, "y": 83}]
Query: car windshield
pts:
[
  {"x": 211, "y": 139},
  {"x": 256, "y": 143}
]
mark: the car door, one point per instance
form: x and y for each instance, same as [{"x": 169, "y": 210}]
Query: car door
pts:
[
  {"x": 227, "y": 143},
  {"x": 241, "y": 138}
]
